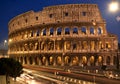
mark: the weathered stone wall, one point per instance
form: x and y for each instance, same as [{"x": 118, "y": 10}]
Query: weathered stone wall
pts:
[{"x": 55, "y": 14}]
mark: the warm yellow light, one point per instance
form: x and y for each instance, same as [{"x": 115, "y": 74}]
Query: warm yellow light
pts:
[
  {"x": 10, "y": 40},
  {"x": 114, "y": 6}
]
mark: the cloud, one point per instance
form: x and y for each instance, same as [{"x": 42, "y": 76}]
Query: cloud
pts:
[{"x": 118, "y": 18}]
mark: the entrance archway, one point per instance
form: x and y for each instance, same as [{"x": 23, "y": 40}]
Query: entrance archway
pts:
[
  {"x": 67, "y": 60},
  {"x": 59, "y": 60},
  {"x": 84, "y": 60},
  {"x": 75, "y": 61}
]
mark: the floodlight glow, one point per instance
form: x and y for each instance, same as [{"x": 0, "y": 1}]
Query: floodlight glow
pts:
[{"x": 114, "y": 6}]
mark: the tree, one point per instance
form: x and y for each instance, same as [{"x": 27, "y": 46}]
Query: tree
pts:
[{"x": 10, "y": 67}]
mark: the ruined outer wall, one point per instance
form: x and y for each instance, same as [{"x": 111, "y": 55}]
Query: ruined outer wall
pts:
[{"x": 55, "y": 14}]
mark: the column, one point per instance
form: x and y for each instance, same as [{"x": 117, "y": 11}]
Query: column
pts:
[
  {"x": 63, "y": 60},
  {"x": 39, "y": 62},
  {"x": 104, "y": 60},
  {"x": 79, "y": 31},
  {"x": 71, "y": 60},
  {"x": 88, "y": 30},
  {"x": 46, "y": 64},
  {"x": 111, "y": 60},
  {"x": 55, "y": 61}
]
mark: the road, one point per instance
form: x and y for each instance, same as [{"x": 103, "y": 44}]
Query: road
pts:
[{"x": 80, "y": 76}]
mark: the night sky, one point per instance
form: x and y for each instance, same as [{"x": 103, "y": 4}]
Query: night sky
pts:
[{"x": 12, "y": 8}]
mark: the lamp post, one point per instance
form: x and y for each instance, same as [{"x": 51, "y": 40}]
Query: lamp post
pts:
[{"x": 5, "y": 44}]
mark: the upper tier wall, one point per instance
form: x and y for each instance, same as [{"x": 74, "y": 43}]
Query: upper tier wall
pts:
[{"x": 55, "y": 14}]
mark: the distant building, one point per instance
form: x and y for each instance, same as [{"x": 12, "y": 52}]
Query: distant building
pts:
[{"x": 62, "y": 35}]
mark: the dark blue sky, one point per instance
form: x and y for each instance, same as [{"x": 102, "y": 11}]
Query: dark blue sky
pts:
[{"x": 12, "y": 8}]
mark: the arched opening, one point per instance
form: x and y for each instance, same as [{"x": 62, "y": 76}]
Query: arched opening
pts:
[
  {"x": 67, "y": 60},
  {"x": 38, "y": 33},
  {"x": 50, "y": 45},
  {"x": 75, "y": 30},
  {"x": 36, "y": 60},
  {"x": 51, "y": 61},
  {"x": 92, "y": 61},
  {"x": 108, "y": 60},
  {"x": 99, "y": 31},
  {"x": 100, "y": 60},
  {"x": 44, "y": 32},
  {"x": 25, "y": 60},
  {"x": 67, "y": 45},
  {"x": 59, "y": 31},
  {"x": 83, "y": 30},
  {"x": 101, "y": 46},
  {"x": 67, "y": 31},
  {"x": 51, "y": 31},
  {"x": 91, "y": 31},
  {"x": 84, "y": 45},
  {"x": 43, "y": 60},
  {"x": 59, "y": 60},
  {"x": 74, "y": 46},
  {"x": 30, "y": 60},
  {"x": 92, "y": 44},
  {"x": 108, "y": 46},
  {"x": 84, "y": 60},
  {"x": 75, "y": 61}
]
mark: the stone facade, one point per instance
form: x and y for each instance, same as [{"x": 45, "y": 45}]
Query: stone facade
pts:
[{"x": 62, "y": 35}]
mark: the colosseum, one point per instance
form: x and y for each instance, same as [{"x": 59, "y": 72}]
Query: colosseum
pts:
[{"x": 62, "y": 35}]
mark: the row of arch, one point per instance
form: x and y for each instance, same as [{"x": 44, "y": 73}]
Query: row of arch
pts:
[
  {"x": 67, "y": 60},
  {"x": 50, "y": 45},
  {"x": 57, "y": 32}
]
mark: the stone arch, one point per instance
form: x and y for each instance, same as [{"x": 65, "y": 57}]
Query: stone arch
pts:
[
  {"x": 108, "y": 60},
  {"x": 84, "y": 45},
  {"x": 67, "y": 31},
  {"x": 75, "y": 45},
  {"x": 51, "y": 32},
  {"x": 31, "y": 46},
  {"x": 75, "y": 30},
  {"x": 75, "y": 61},
  {"x": 67, "y": 45},
  {"x": 67, "y": 60},
  {"x": 51, "y": 60},
  {"x": 100, "y": 60},
  {"x": 84, "y": 60},
  {"x": 108, "y": 45},
  {"x": 25, "y": 60},
  {"x": 50, "y": 45},
  {"x": 36, "y": 60},
  {"x": 38, "y": 33},
  {"x": 92, "y": 60},
  {"x": 100, "y": 31},
  {"x": 92, "y": 31},
  {"x": 43, "y": 60},
  {"x": 59, "y": 60},
  {"x": 83, "y": 30},
  {"x": 59, "y": 31},
  {"x": 92, "y": 45},
  {"x": 30, "y": 60},
  {"x": 44, "y": 32}
]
